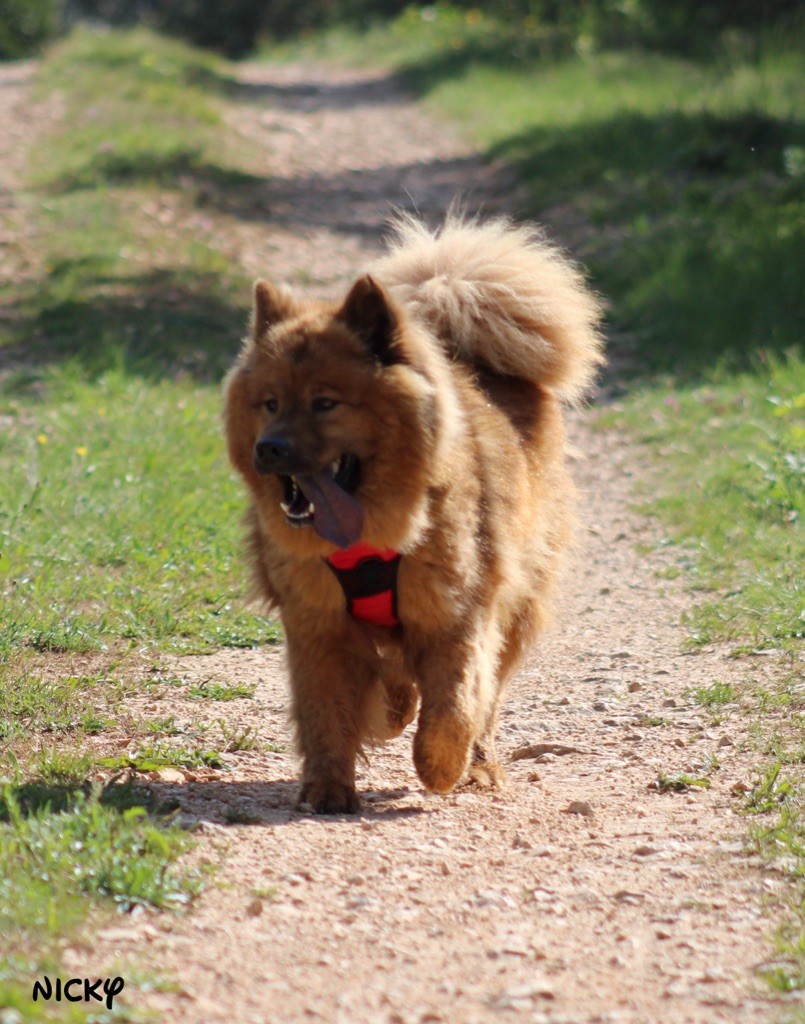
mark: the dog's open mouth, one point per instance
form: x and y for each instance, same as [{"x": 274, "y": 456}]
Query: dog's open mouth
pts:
[{"x": 324, "y": 501}]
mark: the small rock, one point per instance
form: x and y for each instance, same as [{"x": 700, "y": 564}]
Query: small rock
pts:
[
  {"x": 255, "y": 908},
  {"x": 725, "y": 741},
  {"x": 358, "y": 903},
  {"x": 534, "y": 777},
  {"x": 210, "y": 826},
  {"x": 600, "y": 705},
  {"x": 116, "y": 935},
  {"x": 356, "y": 879},
  {"x": 645, "y": 850},
  {"x": 540, "y": 750},
  {"x": 625, "y": 896},
  {"x": 520, "y": 843},
  {"x": 634, "y": 687},
  {"x": 714, "y": 975},
  {"x": 465, "y": 798},
  {"x": 669, "y": 703},
  {"x": 579, "y": 807}
]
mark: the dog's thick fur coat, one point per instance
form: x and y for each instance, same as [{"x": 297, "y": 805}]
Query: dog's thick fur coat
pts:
[{"x": 421, "y": 415}]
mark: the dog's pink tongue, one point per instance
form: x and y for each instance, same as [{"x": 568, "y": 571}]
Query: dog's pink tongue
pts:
[{"x": 337, "y": 516}]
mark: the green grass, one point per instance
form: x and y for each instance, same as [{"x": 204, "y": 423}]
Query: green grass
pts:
[
  {"x": 119, "y": 517},
  {"x": 63, "y": 851},
  {"x": 776, "y": 804},
  {"x": 681, "y": 782},
  {"x": 715, "y": 695},
  {"x": 221, "y": 691},
  {"x": 152, "y": 757},
  {"x": 730, "y": 490}
]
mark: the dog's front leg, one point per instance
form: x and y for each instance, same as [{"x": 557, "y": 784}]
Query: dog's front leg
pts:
[
  {"x": 327, "y": 688},
  {"x": 454, "y": 682}
]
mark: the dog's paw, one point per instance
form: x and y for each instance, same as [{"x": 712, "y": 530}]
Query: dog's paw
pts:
[
  {"x": 441, "y": 752},
  {"x": 486, "y": 775},
  {"x": 328, "y": 797}
]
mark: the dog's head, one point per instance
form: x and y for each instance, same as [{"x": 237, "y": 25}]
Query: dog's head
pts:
[{"x": 331, "y": 417}]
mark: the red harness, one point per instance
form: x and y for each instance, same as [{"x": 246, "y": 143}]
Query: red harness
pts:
[{"x": 368, "y": 577}]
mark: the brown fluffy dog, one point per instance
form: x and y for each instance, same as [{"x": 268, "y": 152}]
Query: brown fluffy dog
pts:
[{"x": 417, "y": 423}]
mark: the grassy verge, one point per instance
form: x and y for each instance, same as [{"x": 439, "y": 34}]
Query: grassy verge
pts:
[
  {"x": 117, "y": 517},
  {"x": 119, "y": 535},
  {"x": 680, "y": 181},
  {"x": 64, "y": 850}
]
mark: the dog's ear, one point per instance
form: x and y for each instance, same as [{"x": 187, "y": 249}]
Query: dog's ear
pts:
[
  {"x": 368, "y": 312},
  {"x": 271, "y": 304}
]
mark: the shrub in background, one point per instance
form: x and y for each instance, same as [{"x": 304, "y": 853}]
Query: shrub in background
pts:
[
  {"x": 25, "y": 25},
  {"x": 234, "y": 27}
]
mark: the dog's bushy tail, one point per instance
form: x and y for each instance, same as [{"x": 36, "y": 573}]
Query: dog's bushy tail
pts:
[{"x": 498, "y": 295}]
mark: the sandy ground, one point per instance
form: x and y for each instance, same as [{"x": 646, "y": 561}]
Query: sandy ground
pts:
[{"x": 578, "y": 895}]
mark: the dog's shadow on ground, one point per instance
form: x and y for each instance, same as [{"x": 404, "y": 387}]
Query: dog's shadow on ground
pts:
[{"x": 221, "y": 803}]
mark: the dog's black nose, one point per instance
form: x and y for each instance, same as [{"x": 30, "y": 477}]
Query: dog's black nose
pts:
[{"x": 272, "y": 454}]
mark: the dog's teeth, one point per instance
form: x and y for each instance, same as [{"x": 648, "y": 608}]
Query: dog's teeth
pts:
[{"x": 335, "y": 465}]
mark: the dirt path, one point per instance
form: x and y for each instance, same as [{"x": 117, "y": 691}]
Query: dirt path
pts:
[{"x": 579, "y": 894}]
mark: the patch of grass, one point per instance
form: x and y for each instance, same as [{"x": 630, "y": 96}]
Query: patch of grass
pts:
[
  {"x": 163, "y": 726},
  {"x": 769, "y": 791},
  {"x": 165, "y": 567},
  {"x": 152, "y": 757},
  {"x": 119, "y": 74},
  {"x": 739, "y": 518},
  {"x": 210, "y": 690},
  {"x": 110, "y": 363},
  {"x": 780, "y": 796},
  {"x": 62, "y": 765},
  {"x": 264, "y": 893},
  {"x": 653, "y": 721},
  {"x": 715, "y": 695},
  {"x": 239, "y": 739},
  {"x": 679, "y": 783},
  {"x": 64, "y": 850},
  {"x": 53, "y": 706}
]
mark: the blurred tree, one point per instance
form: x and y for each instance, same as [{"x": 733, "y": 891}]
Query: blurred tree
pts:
[
  {"x": 234, "y": 26},
  {"x": 25, "y": 25}
]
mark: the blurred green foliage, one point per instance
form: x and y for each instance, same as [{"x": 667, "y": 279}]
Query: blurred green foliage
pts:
[
  {"x": 234, "y": 27},
  {"x": 26, "y": 24}
]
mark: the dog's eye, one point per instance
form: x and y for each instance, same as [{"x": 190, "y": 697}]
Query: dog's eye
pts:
[
  {"x": 271, "y": 405},
  {"x": 323, "y": 404}
]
